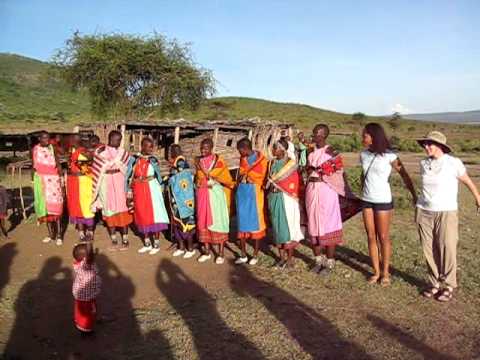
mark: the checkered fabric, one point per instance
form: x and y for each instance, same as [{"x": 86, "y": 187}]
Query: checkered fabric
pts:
[{"x": 86, "y": 281}]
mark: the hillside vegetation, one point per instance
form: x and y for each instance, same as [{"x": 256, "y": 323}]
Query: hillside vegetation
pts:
[{"x": 31, "y": 99}]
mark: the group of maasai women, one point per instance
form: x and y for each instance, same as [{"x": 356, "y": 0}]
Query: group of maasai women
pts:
[{"x": 300, "y": 194}]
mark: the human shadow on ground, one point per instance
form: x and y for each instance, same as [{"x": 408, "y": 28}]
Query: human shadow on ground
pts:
[
  {"x": 119, "y": 334},
  {"x": 315, "y": 334},
  {"x": 407, "y": 340},
  {"x": 212, "y": 337},
  {"x": 44, "y": 327},
  {"x": 7, "y": 253},
  {"x": 354, "y": 260},
  {"x": 43, "y": 310}
]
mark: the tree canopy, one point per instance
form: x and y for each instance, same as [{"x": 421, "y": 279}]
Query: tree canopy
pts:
[{"x": 131, "y": 76}]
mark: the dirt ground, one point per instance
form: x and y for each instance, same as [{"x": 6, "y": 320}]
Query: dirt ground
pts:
[{"x": 168, "y": 308}]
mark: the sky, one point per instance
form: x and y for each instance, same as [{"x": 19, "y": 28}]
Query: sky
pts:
[{"x": 375, "y": 57}]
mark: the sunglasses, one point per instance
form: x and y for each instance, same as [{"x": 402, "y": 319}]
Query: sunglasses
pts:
[{"x": 428, "y": 143}]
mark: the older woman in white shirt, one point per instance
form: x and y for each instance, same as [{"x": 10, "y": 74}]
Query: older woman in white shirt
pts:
[{"x": 436, "y": 215}]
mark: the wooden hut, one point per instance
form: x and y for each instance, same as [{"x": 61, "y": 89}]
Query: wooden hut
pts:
[{"x": 225, "y": 135}]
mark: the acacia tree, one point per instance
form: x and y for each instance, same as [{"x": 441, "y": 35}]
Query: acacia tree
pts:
[
  {"x": 394, "y": 120},
  {"x": 130, "y": 76},
  {"x": 358, "y": 117}
]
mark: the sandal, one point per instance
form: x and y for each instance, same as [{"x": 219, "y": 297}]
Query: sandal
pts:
[
  {"x": 373, "y": 279},
  {"x": 430, "y": 292},
  {"x": 385, "y": 281},
  {"x": 445, "y": 295}
]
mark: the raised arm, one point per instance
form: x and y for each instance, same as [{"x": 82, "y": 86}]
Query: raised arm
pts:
[
  {"x": 90, "y": 253},
  {"x": 471, "y": 186},
  {"x": 398, "y": 166}
]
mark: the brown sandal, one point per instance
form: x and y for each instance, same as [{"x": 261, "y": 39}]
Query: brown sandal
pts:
[
  {"x": 373, "y": 279},
  {"x": 385, "y": 281},
  {"x": 430, "y": 292},
  {"x": 445, "y": 295}
]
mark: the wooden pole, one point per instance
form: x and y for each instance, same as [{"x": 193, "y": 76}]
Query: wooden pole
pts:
[
  {"x": 122, "y": 130},
  {"x": 12, "y": 179},
  {"x": 215, "y": 139},
  {"x": 21, "y": 194},
  {"x": 176, "y": 138}
]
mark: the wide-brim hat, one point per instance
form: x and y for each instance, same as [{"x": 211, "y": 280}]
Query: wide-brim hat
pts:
[{"x": 438, "y": 138}]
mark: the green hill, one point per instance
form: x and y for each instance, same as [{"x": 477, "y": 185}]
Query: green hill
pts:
[
  {"x": 28, "y": 94},
  {"x": 30, "y": 98}
]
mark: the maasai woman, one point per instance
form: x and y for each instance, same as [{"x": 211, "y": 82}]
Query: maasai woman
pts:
[
  {"x": 110, "y": 165},
  {"x": 182, "y": 202},
  {"x": 48, "y": 193},
  {"x": 150, "y": 215},
  {"x": 283, "y": 203},
  {"x": 250, "y": 199},
  {"x": 322, "y": 201},
  {"x": 79, "y": 191},
  {"x": 214, "y": 184}
]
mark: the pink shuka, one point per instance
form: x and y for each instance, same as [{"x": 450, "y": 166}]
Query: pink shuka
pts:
[
  {"x": 45, "y": 166},
  {"x": 109, "y": 183},
  {"x": 322, "y": 202}
]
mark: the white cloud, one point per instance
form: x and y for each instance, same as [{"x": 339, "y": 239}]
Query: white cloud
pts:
[{"x": 400, "y": 109}]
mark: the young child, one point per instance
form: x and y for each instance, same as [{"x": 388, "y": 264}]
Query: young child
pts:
[
  {"x": 182, "y": 202},
  {"x": 4, "y": 205},
  {"x": 86, "y": 287}
]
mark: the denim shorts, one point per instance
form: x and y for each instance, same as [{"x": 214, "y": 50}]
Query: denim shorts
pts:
[{"x": 377, "y": 206}]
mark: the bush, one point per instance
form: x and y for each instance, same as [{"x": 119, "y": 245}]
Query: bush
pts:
[{"x": 346, "y": 144}]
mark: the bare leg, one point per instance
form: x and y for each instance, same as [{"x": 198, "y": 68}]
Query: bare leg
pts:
[
  {"x": 81, "y": 232},
  {"x": 257, "y": 247},
  {"x": 290, "y": 257},
  {"x": 221, "y": 250},
  {"x": 55, "y": 228},
  {"x": 280, "y": 252},
  {"x": 243, "y": 247},
  {"x": 51, "y": 231},
  {"x": 2, "y": 227},
  {"x": 124, "y": 235},
  {"x": 156, "y": 240},
  {"x": 317, "y": 250},
  {"x": 59, "y": 228},
  {"x": 330, "y": 250},
  {"x": 382, "y": 225},
  {"x": 112, "y": 234},
  {"x": 369, "y": 222},
  {"x": 89, "y": 233},
  {"x": 190, "y": 243},
  {"x": 207, "y": 249}
]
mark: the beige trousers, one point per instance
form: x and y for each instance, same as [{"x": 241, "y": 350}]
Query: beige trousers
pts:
[{"x": 438, "y": 232}]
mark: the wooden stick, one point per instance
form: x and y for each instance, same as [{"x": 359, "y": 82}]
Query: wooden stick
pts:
[
  {"x": 176, "y": 138},
  {"x": 122, "y": 130},
  {"x": 215, "y": 138},
  {"x": 21, "y": 194}
]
